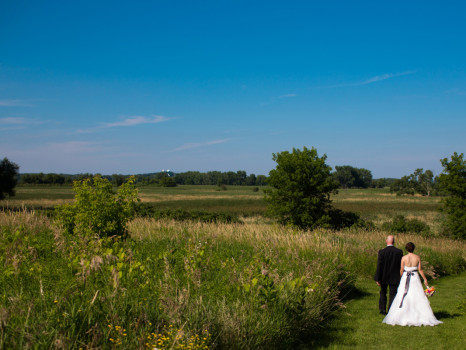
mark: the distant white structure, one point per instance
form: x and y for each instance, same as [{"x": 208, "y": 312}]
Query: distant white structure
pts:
[{"x": 168, "y": 172}]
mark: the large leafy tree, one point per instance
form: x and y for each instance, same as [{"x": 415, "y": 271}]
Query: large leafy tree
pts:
[
  {"x": 453, "y": 183},
  {"x": 301, "y": 187},
  {"x": 8, "y": 178}
]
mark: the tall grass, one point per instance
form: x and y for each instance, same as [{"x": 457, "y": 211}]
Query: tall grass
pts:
[{"x": 184, "y": 284}]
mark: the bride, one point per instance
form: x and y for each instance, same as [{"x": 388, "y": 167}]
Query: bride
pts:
[{"x": 410, "y": 306}]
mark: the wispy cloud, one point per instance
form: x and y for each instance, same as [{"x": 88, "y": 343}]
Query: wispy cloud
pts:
[
  {"x": 128, "y": 122},
  {"x": 287, "y": 96},
  {"x": 199, "y": 144},
  {"x": 17, "y": 123},
  {"x": 12, "y": 120},
  {"x": 74, "y": 147},
  {"x": 14, "y": 103},
  {"x": 137, "y": 120},
  {"x": 456, "y": 91},
  {"x": 375, "y": 79}
]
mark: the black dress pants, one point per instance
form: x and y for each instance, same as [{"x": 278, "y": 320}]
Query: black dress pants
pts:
[{"x": 383, "y": 296}]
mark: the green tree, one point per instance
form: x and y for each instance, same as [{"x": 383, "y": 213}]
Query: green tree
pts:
[
  {"x": 424, "y": 181},
  {"x": 97, "y": 210},
  {"x": 8, "y": 178},
  {"x": 350, "y": 177},
  {"x": 167, "y": 181},
  {"x": 118, "y": 179},
  {"x": 418, "y": 182},
  {"x": 364, "y": 179},
  {"x": 301, "y": 187},
  {"x": 261, "y": 180},
  {"x": 344, "y": 175},
  {"x": 453, "y": 183}
]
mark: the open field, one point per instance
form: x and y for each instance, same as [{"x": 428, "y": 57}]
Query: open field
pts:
[
  {"x": 377, "y": 205},
  {"x": 192, "y": 285}
]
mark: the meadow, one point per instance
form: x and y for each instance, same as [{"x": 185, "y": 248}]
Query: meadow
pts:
[
  {"x": 250, "y": 284},
  {"x": 372, "y": 204}
]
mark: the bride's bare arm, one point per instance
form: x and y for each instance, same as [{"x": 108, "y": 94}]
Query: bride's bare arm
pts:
[
  {"x": 419, "y": 268},
  {"x": 402, "y": 266}
]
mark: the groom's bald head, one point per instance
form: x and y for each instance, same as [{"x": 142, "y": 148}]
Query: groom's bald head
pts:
[{"x": 390, "y": 240}]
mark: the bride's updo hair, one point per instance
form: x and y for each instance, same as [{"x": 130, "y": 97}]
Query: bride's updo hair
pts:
[{"x": 410, "y": 247}]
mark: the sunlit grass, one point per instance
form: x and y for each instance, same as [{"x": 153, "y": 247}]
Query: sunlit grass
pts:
[{"x": 252, "y": 285}]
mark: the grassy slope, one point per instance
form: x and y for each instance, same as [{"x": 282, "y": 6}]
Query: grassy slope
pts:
[{"x": 360, "y": 326}]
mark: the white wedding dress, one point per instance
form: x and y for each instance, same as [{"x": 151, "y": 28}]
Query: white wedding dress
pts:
[{"x": 411, "y": 308}]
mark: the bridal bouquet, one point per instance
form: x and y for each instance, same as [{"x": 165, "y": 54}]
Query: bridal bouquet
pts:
[{"x": 430, "y": 291}]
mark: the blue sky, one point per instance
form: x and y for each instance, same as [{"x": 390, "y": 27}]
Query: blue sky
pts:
[{"x": 141, "y": 86}]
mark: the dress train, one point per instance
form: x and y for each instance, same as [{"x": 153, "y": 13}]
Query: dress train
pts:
[{"x": 410, "y": 306}]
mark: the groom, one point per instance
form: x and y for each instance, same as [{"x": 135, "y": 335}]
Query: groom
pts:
[{"x": 388, "y": 273}]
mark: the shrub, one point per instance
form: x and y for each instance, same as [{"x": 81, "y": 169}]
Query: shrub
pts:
[
  {"x": 222, "y": 187},
  {"x": 98, "y": 210},
  {"x": 400, "y": 224},
  {"x": 339, "y": 219},
  {"x": 149, "y": 210}
]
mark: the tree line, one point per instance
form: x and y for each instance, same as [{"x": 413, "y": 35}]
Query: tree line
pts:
[
  {"x": 346, "y": 175},
  {"x": 230, "y": 178}
]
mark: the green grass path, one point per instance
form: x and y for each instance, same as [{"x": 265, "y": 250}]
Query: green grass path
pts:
[{"x": 360, "y": 326}]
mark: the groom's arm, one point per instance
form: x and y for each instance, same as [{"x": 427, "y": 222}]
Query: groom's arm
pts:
[{"x": 378, "y": 272}]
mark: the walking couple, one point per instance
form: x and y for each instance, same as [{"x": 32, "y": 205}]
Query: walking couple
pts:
[{"x": 407, "y": 304}]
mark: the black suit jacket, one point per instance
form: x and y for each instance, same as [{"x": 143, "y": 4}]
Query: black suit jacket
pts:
[{"x": 388, "y": 265}]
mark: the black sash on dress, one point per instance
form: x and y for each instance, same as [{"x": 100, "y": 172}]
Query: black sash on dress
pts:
[{"x": 408, "y": 279}]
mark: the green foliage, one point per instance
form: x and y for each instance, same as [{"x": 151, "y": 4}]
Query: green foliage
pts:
[
  {"x": 45, "y": 179},
  {"x": 187, "y": 285},
  {"x": 418, "y": 182},
  {"x": 453, "y": 183},
  {"x": 110, "y": 293},
  {"x": 222, "y": 187},
  {"x": 301, "y": 187},
  {"x": 8, "y": 178},
  {"x": 152, "y": 211},
  {"x": 350, "y": 177},
  {"x": 97, "y": 210},
  {"x": 339, "y": 219},
  {"x": 382, "y": 183},
  {"x": 400, "y": 224},
  {"x": 167, "y": 182}
]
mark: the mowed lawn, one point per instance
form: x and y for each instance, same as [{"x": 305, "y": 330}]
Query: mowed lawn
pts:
[{"x": 359, "y": 325}]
